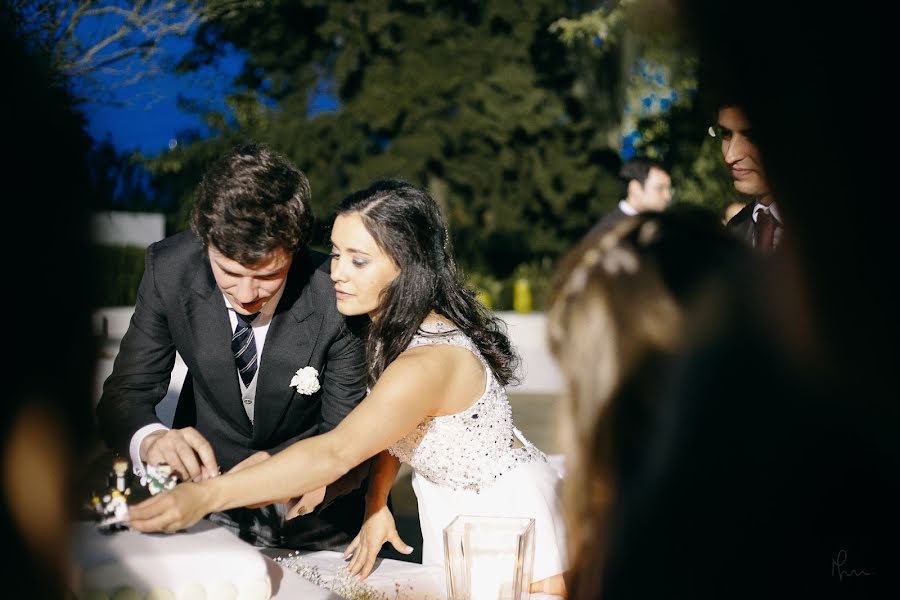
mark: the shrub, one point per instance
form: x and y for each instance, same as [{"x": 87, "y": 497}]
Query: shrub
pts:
[{"x": 118, "y": 271}]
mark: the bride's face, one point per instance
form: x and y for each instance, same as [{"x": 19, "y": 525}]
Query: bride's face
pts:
[{"x": 360, "y": 269}]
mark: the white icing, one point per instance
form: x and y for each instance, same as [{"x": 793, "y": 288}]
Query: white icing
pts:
[{"x": 202, "y": 563}]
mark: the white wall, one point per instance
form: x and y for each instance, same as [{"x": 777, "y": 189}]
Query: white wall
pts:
[
  {"x": 528, "y": 333},
  {"x": 127, "y": 229},
  {"x": 110, "y": 324}
]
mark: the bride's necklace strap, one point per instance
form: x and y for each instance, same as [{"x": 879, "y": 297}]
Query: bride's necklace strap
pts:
[{"x": 436, "y": 325}]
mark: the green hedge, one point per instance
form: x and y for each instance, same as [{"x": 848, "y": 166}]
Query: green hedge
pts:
[
  {"x": 118, "y": 272},
  {"x": 499, "y": 294}
]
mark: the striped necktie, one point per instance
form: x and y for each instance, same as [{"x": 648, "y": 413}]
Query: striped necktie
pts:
[{"x": 243, "y": 345}]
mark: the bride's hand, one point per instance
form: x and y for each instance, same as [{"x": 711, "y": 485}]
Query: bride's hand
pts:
[
  {"x": 378, "y": 529},
  {"x": 306, "y": 504},
  {"x": 170, "y": 511}
]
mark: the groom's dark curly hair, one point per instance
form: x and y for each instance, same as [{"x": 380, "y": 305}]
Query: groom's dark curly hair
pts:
[
  {"x": 407, "y": 225},
  {"x": 252, "y": 202}
]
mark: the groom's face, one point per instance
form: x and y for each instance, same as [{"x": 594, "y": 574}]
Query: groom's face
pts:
[{"x": 248, "y": 288}]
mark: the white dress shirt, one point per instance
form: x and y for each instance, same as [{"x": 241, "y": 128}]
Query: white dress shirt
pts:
[
  {"x": 772, "y": 209},
  {"x": 627, "y": 208}
]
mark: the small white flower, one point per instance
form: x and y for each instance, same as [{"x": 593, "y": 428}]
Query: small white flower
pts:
[{"x": 306, "y": 381}]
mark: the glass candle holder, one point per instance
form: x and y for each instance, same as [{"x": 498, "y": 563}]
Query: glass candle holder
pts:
[{"x": 489, "y": 558}]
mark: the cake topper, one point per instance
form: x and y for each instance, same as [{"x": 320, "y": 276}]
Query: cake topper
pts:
[
  {"x": 112, "y": 506},
  {"x": 159, "y": 478}
]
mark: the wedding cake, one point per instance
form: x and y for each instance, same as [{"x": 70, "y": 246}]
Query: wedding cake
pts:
[{"x": 204, "y": 562}]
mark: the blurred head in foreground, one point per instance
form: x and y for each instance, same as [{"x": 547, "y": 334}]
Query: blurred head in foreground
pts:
[{"x": 615, "y": 323}]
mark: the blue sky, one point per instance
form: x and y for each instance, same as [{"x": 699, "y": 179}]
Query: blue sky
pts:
[{"x": 145, "y": 115}]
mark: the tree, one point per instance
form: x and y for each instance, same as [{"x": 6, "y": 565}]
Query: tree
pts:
[
  {"x": 663, "y": 115},
  {"x": 119, "y": 37},
  {"x": 478, "y": 101},
  {"x": 120, "y": 182}
]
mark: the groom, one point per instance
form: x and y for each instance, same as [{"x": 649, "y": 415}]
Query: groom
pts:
[{"x": 247, "y": 305}]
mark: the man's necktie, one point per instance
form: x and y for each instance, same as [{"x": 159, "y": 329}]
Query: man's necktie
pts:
[
  {"x": 765, "y": 231},
  {"x": 244, "y": 347}
]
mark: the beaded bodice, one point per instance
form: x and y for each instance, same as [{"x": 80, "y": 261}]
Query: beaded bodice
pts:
[{"x": 469, "y": 449}]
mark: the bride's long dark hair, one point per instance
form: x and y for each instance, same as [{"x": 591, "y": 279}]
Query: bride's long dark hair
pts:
[{"x": 407, "y": 225}]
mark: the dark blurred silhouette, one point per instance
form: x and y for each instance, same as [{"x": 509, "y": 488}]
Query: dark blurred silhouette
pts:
[
  {"x": 775, "y": 470},
  {"x": 46, "y": 415}
]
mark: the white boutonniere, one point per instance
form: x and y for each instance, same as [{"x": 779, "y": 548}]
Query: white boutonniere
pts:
[{"x": 306, "y": 380}]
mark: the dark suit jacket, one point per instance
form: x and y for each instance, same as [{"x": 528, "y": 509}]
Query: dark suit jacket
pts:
[
  {"x": 609, "y": 219},
  {"x": 742, "y": 224},
  {"x": 180, "y": 308}
]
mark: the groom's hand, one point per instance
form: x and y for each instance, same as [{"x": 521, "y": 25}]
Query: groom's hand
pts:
[
  {"x": 306, "y": 503},
  {"x": 251, "y": 460},
  {"x": 185, "y": 450}
]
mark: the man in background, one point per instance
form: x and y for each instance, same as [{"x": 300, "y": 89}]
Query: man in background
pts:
[
  {"x": 759, "y": 222},
  {"x": 648, "y": 187}
]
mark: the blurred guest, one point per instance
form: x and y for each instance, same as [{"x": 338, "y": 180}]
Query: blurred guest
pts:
[
  {"x": 648, "y": 187},
  {"x": 615, "y": 325},
  {"x": 46, "y": 417}
]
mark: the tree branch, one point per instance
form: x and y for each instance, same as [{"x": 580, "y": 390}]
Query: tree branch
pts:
[{"x": 90, "y": 36}]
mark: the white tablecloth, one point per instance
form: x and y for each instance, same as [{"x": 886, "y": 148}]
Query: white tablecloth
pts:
[{"x": 395, "y": 579}]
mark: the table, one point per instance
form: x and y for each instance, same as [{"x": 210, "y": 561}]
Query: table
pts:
[{"x": 389, "y": 580}]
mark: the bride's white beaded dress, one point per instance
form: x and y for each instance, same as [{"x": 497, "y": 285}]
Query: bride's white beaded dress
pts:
[{"x": 475, "y": 462}]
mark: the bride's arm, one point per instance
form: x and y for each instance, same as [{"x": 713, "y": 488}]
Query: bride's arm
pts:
[
  {"x": 384, "y": 471},
  {"x": 413, "y": 387}
]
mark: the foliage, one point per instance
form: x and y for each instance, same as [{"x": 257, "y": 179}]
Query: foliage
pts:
[
  {"x": 476, "y": 101},
  {"x": 501, "y": 292},
  {"x": 120, "y": 181},
  {"x": 600, "y": 27},
  {"x": 512, "y": 114},
  {"x": 657, "y": 73},
  {"x": 539, "y": 275},
  {"x": 89, "y": 36},
  {"x": 122, "y": 268},
  {"x": 488, "y": 289},
  {"x": 662, "y": 115}
]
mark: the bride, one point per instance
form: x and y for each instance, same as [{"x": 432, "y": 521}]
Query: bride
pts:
[{"x": 438, "y": 361}]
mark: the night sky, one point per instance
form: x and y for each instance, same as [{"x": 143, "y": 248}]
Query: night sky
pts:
[{"x": 144, "y": 116}]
